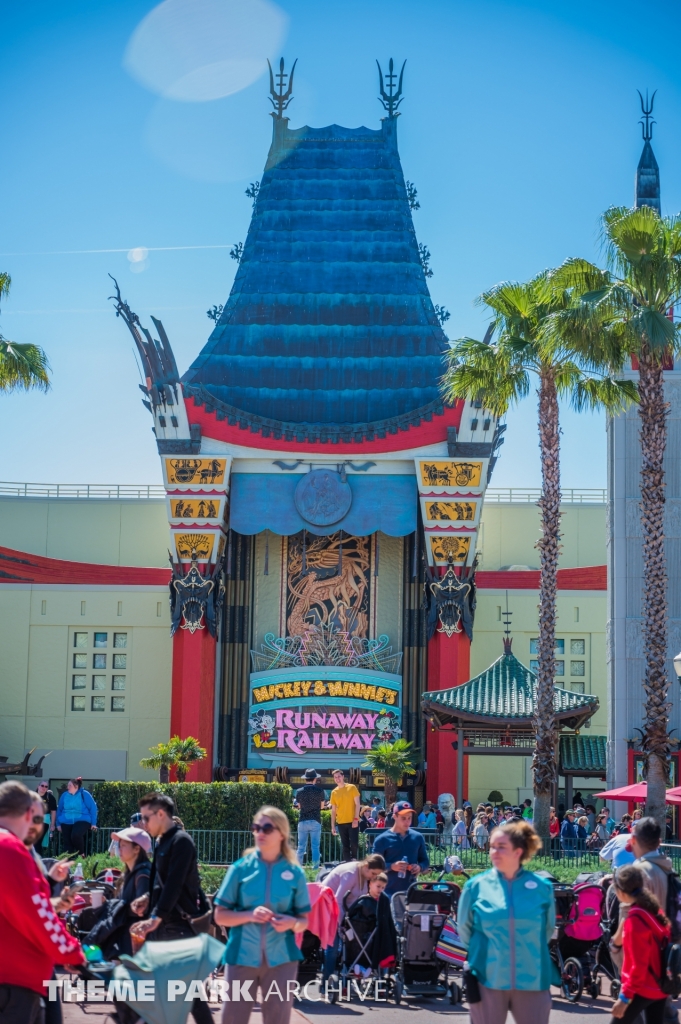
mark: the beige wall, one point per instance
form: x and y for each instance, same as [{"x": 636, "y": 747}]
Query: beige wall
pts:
[
  {"x": 508, "y": 537},
  {"x": 133, "y": 532},
  {"x": 37, "y": 630},
  {"x": 509, "y": 532}
]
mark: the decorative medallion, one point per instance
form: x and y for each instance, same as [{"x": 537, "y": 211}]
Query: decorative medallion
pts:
[
  {"x": 194, "y": 545},
  {"x": 453, "y": 549},
  {"x": 322, "y": 497}
]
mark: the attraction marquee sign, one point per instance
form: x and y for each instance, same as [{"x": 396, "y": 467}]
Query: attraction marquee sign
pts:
[{"x": 328, "y": 715}]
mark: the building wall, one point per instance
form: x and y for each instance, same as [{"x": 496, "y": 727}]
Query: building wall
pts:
[
  {"x": 99, "y": 530},
  {"x": 509, "y": 533}
]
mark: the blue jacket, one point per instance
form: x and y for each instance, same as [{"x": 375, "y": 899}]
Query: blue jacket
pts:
[
  {"x": 394, "y": 847},
  {"x": 76, "y": 807},
  {"x": 506, "y": 927},
  {"x": 251, "y": 882}
]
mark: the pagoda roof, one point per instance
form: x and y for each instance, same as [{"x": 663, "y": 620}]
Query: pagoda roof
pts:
[
  {"x": 329, "y": 326},
  {"x": 583, "y": 755},
  {"x": 504, "y": 694}
]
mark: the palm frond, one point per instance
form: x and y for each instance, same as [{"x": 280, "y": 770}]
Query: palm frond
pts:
[
  {"x": 23, "y": 367},
  {"x": 5, "y": 284},
  {"x": 609, "y": 393}
]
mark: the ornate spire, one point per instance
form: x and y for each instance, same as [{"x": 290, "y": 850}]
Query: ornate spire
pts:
[
  {"x": 647, "y": 189},
  {"x": 391, "y": 99},
  {"x": 282, "y": 95}
]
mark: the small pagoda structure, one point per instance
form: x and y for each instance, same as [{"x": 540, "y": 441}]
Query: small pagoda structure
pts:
[{"x": 493, "y": 714}]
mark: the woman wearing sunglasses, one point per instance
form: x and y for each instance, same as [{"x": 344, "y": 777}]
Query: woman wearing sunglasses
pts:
[{"x": 263, "y": 901}]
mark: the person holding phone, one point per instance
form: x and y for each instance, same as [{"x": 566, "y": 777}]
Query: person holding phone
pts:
[{"x": 264, "y": 902}]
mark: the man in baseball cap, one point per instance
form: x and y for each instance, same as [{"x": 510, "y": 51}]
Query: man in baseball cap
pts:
[
  {"x": 310, "y": 800},
  {"x": 403, "y": 849}
]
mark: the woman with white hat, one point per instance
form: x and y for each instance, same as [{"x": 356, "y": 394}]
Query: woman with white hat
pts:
[{"x": 112, "y": 931}]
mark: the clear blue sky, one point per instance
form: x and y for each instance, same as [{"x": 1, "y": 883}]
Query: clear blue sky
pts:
[{"x": 519, "y": 127}]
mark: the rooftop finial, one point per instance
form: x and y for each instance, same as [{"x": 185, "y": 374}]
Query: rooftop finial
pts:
[
  {"x": 647, "y": 109},
  {"x": 393, "y": 97},
  {"x": 507, "y": 641},
  {"x": 282, "y": 95}
]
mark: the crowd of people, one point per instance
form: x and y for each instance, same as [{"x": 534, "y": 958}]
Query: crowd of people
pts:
[{"x": 505, "y": 917}]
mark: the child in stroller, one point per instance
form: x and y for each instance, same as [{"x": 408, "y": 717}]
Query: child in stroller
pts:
[{"x": 370, "y": 940}]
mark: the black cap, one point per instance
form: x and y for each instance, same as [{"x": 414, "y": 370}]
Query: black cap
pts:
[{"x": 310, "y": 775}]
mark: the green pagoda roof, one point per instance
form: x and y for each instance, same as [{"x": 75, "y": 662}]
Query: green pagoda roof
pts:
[
  {"x": 506, "y": 694},
  {"x": 584, "y": 755}
]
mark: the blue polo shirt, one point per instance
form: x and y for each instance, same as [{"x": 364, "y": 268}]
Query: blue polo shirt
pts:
[{"x": 393, "y": 847}]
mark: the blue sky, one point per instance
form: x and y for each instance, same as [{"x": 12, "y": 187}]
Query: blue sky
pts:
[{"x": 519, "y": 127}]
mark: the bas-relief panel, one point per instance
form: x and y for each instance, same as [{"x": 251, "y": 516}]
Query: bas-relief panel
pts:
[{"x": 328, "y": 583}]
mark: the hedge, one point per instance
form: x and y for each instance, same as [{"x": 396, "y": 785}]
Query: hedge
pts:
[{"x": 201, "y": 805}]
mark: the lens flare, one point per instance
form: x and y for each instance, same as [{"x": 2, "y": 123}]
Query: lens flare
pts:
[{"x": 200, "y": 50}]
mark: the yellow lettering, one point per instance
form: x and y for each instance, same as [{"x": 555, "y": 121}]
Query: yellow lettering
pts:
[
  {"x": 390, "y": 696},
  {"x": 306, "y": 688},
  {"x": 319, "y": 688},
  {"x": 336, "y": 689}
]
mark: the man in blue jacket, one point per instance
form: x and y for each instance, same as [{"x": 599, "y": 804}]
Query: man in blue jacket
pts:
[
  {"x": 403, "y": 849},
  {"x": 569, "y": 834}
]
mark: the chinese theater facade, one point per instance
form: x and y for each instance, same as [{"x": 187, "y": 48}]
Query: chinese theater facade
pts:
[{"x": 323, "y": 500}]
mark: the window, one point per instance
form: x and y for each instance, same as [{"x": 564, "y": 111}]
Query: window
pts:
[
  {"x": 534, "y": 646},
  {"x": 560, "y": 667},
  {"x": 106, "y": 674},
  {"x": 577, "y": 687},
  {"x": 577, "y": 647},
  {"x": 577, "y": 668}
]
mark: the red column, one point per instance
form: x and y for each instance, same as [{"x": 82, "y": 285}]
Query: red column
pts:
[
  {"x": 449, "y": 664},
  {"x": 192, "y": 709}
]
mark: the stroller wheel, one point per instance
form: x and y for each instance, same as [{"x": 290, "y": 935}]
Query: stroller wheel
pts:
[
  {"x": 572, "y": 980},
  {"x": 333, "y": 987},
  {"x": 595, "y": 988},
  {"x": 614, "y": 989},
  {"x": 454, "y": 993},
  {"x": 398, "y": 989}
]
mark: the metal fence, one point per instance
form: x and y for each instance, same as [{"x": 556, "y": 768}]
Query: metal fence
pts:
[
  {"x": 530, "y": 495},
  {"x": 218, "y": 846},
  {"x": 110, "y": 491}
]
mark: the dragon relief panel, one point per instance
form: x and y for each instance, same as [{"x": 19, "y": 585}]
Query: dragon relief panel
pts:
[{"x": 327, "y": 583}]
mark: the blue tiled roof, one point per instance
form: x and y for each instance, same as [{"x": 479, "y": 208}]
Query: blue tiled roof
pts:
[{"x": 329, "y": 320}]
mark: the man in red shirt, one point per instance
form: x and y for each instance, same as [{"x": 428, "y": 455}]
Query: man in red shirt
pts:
[{"x": 32, "y": 938}]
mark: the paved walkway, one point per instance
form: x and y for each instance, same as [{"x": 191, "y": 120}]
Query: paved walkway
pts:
[{"x": 586, "y": 1012}]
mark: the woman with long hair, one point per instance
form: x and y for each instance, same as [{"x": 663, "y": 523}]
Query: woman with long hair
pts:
[
  {"x": 505, "y": 918},
  {"x": 112, "y": 931},
  {"x": 460, "y": 830},
  {"x": 646, "y": 930},
  {"x": 263, "y": 900}
]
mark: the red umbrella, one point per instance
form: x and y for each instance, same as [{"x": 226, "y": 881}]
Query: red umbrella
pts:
[{"x": 638, "y": 793}]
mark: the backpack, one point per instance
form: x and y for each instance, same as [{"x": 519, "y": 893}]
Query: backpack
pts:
[
  {"x": 673, "y": 905},
  {"x": 670, "y": 982}
]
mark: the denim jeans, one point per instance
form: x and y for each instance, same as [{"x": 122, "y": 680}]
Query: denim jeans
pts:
[{"x": 313, "y": 829}]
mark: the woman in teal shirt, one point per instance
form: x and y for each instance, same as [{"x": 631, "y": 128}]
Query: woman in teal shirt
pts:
[
  {"x": 263, "y": 900},
  {"x": 506, "y": 917}
]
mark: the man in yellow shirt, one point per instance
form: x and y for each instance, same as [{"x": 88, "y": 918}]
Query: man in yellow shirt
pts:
[{"x": 345, "y": 814}]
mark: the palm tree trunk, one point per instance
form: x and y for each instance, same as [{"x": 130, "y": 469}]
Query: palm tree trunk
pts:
[
  {"x": 390, "y": 793},
  {"x": 653, "y": 414},
  {"x": 164, "y": 774},
  {"x": 544, "y": 759}
]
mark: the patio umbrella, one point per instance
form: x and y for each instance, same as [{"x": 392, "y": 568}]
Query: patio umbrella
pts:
[{"x": 638, "y": 793}]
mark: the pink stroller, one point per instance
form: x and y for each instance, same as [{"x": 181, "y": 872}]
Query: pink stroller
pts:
[{"x": 578, "y": 935}]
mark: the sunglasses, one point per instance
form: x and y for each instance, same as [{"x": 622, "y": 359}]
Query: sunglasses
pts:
[
  {"x": 267, "y": 829},
  {"x": 38, "y": 819},
  {"x": 147, "y": 817}
]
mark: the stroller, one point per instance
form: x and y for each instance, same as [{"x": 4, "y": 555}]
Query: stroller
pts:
[
  {"x": 604, "y": 963},
  {"x": 419, "y": 915},
  {"x": 579, "y": 910}
]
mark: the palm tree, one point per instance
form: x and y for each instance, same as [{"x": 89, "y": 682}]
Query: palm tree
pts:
[
  {"x": 498, "y": 373},
  {"x": 186, "y": 753},
  {"x": 22, "y": 367},
  {"x": 627, "y": 309},
  {"x": 392, "y": 760},
  {"x": 162, "y": 760}
]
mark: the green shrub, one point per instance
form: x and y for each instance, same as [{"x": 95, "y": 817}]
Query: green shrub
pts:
[{"x": 200, "y": 805}]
